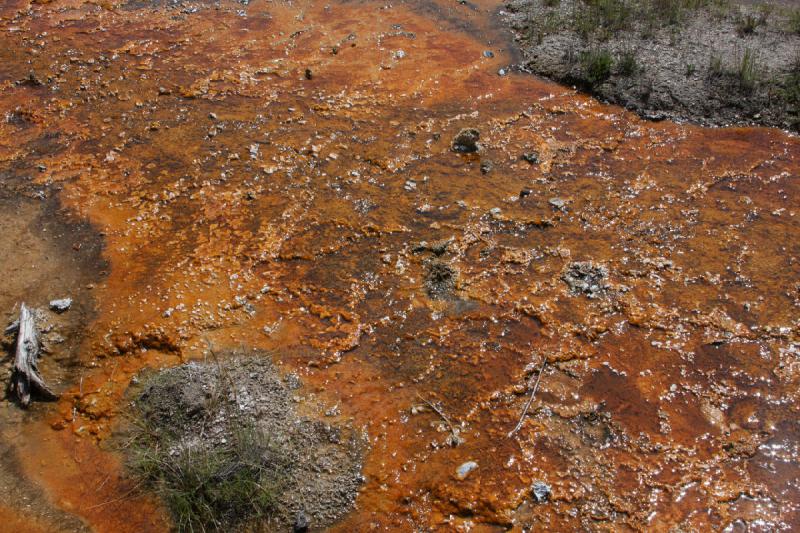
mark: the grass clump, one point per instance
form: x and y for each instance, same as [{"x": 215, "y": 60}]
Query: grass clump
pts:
[
  {"x": 596, "y": 65},
  {"x": 230, "y": 478},
  {"x": 793, "y": 21},
  {"x": 626, "y": 64},
  {"x": 747, "y": 71},
  {"x": 742, "y": 73},
  {"x": 603, "y": 17},
  {"x": 209, "y": 488},
  {"x": 748, "y": 22}
]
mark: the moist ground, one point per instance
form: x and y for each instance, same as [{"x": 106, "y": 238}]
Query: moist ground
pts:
[
  {"x": 711, "y": 62},
  {"x": 230, "y": 443},
  {"x": 46, "y": 256}
]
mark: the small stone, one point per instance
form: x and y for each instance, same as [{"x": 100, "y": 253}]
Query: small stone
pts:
[
  {"x": 463, "y": 471},
  {"x": 486, "y": 167},
  {"x": 525, "y": 192},
  {"x": 59, "y": 306},
  {"x": 541, "y": 491},
  {"x": 558, "y": 203},
  {"x": 163, "y": 91},
  {"x": 502, "y": 72},
  {"x": 586, "y": 277},
  {"x": 531, "y": 157},
  {"x": 212, "y": 116},
  {"x": 301, "y": 522},
  {"x": 309, "y": 74},
  {"x": 488, "y": 53},
  {"x": 466, "y": 141},
  {"x": 400, "y": 54}
]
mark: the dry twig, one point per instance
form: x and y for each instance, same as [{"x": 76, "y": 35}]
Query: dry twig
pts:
[
  {"x": 530, "y": 399},
  {"x": 454, "y": 431}
]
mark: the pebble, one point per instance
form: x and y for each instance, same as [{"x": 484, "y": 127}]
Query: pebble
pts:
[
  {"x": 61, "y": 305},
  {"x": 558, "y": 203},
  {"x": 531, "y": 157},
  {"x": 488, "y": 53},
  {"x": 541, "y": 491},
  {"x": 463, "y": 471},
  {"x": 301, "y": 522},
  {"x": 466, "y": 141},
  {"x": 502, "y": 72}
]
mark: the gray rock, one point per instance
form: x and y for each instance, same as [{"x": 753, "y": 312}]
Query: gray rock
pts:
[
  {"x": 540, "y": 491},
  {"x": 301, "y": 522},
  {"x": 466, "y": 141},
  {"x": 558, "y": 203},
  {"x": 586, "y": 277},
  {"x": 61, "y": 305},
  {"x": 531, "y": 157},
  {"x": 463, "y": 471}
]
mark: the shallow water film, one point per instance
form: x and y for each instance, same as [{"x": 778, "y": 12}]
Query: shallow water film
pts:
[{"x": 589, "y": 322}]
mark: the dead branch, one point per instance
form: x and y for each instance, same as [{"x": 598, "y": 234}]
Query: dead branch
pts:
[
  {"x": 25, "y": 377},
  {"x": 530, "y": 399}
]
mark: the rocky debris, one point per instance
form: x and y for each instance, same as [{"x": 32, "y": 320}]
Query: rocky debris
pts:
[
  {"x": 464, "y": 469},
  {"x": 531, "y": 157},
  {"x": 700, "y": 69},
  {"x": 466, "y": 141},
  {"x": 558, "y": 203},
  {"x": 301, "y": 523},
  {"x": 540, "y": 491},
  {"x": 486, "y": 167},
  {"x": 61, "y": 305},
  {"x": 440, "y": 279},
  {"x": 235, "y": 422},
  {"x": 587, "y": 278},
  {"x": 308, "y": 74}
]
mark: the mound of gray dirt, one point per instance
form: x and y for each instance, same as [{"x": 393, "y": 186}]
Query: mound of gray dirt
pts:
[{"x": 232, "y": 444}]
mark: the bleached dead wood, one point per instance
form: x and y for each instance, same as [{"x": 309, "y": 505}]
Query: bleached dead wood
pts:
[{"x": 25, "y": 377}]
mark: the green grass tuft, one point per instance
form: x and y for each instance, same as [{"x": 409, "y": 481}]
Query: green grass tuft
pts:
[
  {"x": 596, "y": 65},
  {"x": 793, "y": 21},
  {"x": 213, "y": 488},
  {"x": 626, "y": 64}
]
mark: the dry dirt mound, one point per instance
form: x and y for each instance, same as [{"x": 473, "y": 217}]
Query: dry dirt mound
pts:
[{"x": 225, "y": 444}]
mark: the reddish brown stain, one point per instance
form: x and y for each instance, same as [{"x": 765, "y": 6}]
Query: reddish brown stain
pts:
[{"x": 315, "y": 234}]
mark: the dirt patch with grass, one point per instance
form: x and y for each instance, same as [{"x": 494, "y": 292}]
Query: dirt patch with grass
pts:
[
  {"x": 232, "y": 443},
  {"x": 713, "y": 62}
]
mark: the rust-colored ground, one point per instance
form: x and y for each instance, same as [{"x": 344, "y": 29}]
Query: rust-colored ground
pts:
[{"x": 278, "y": 175}]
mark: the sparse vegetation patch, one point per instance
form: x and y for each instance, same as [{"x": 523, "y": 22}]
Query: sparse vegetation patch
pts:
[
  {"x": 716, "y": 62},
  {"x": 224, "y": 447}
]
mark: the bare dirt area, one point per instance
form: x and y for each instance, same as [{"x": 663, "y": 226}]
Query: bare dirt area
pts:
[
  {"x": 539, "y": 310},
  {"x": 710, "y": 62}
]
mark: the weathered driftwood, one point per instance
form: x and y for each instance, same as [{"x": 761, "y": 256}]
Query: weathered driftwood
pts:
[{"x": 25, "y": 377}]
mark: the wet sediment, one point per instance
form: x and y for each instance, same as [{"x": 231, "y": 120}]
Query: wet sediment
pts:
[{"x": 326, "y": 218}]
